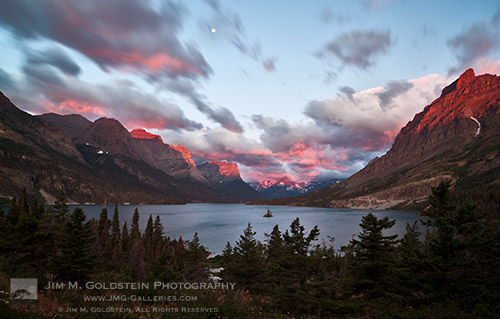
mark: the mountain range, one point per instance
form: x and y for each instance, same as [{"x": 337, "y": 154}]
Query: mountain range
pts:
[
  {"x": 284, "y": 187},
  {"x": 101, "y": 161},
  {"x": 456, "y": 137}
]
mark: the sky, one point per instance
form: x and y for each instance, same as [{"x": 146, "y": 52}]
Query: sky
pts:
[{"x": 312, "y": 90}]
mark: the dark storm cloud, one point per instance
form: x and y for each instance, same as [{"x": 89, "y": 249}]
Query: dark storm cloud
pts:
[
  {"x": 221, "y": 115},
  {"x": 51, "y": 91},
  {"x": 56, "y": 58},
  {"x": 393, "y": 89},
  {"x": 115, "y": 34},
  {"x": 476, "y": 42},
  {"x": 358, "y": 48}
]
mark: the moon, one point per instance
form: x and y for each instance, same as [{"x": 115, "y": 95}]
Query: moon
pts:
[{"x": 213, "y": 30}]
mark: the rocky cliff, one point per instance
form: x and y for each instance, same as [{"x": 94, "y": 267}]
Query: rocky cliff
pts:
[
  {"x": 227, "y": 178},
  {"x": 174, "y": 160},
  {"x": 220, "y": 171}
]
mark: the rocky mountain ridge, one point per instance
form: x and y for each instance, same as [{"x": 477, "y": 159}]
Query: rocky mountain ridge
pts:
[
  {"x": 96, "y": 162},
  {"x": 285, "y": 187},
  {"x": 455, "y": 137}
]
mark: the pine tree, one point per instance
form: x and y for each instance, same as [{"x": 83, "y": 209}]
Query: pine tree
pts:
[
  {"x": 158, "y": 239},
  {"x": 13, "y": 212},
  {"x": 105, "y": 241},
  {"x": 411, "y": 253},
  {"x": 74, "y": 261},
  {"x": 125, "y": 240},
  {"x": 195, "y": 265},
  {"x": 115, "y": 227},
  {"x": 37, "y": 209},
  {"x": 440, "y": 200},
  {"x": 117, "y": 258},
  {"x": 375, "y": 254},
  {"x": 274, "y": 247},
  {"x": 148, "y": 238},
  {"x": 135, "y": 233},
  {"x": 296, "y": 268},
  {"x": 247, "y": 267},
  {"x": 23, "y": 203},
  {"x": 60, "y": 208}
]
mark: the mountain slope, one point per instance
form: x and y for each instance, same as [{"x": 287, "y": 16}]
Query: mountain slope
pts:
[
  {"x": 39, "y": 156},
  {"x": 455, "y": 137},
  {"x": 227, "y": 178},
  {"x": 73, "y": 125},
  {"x": 174, "y": 160}
]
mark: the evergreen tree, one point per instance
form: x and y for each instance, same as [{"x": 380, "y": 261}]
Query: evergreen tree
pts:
[
  {"x": 13, "y": 212},
  {"x": 60, "y": 208},
  {"x": 411, "y": 253},
  {"x": 158, "y": 239},
  {"x": 247, "y": 266},
  {"x": 148, "y": 238},
  {"x": 179, "y": 253},
  {"x": 374, "y": 264},
  {"x": 116, "y": 241},
  {"x": 125, "y": 240},
  {"x": 296, "y": 269},
  {"x": 274, "y": 247},
  {"x": 195, "y": 265},
  {"x": 37, "y": 209},
  {"x": 115, "y": 227},
  {"x": 440, "y": 200},
  {"x": 74, "y": 261},
  {"x": 135, "y": 233},
  {"x": 105, "y": 241},
  {"x": 23, "y": 203}
]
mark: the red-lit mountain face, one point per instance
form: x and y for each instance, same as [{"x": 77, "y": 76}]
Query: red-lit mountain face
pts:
[
  {"x": 455, "y": 137},
  {"x": 227, "y": 178},
  {"x": 174, "y": 160}
]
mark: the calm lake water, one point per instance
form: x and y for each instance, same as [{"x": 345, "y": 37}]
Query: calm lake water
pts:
[{"x": 216, "y": 224}]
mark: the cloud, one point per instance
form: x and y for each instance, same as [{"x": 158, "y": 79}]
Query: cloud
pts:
[
  {"x": 365, "y": 121},
  {"x": 55, "y": 57},
  {"x": 327, "y": 15},
  {"x": 219, "y": 144},
  {"x": 269, "y": 64},
  {"x": 6, "y": 81},
  {"x": 358, "y": 48},
  {"x": 221, "y": 115},
  {"x": 393, "y": 89},
  {"x": 135, "y": 38},
  {"x": 229, "y": 26},
  {"x": 347, "y": 91},
  {"x": 475, "y": 44},
  {"x": 376, "y": 5},
  {"x": 53, "y": 91},
  {"x": 342, "y": 135}
]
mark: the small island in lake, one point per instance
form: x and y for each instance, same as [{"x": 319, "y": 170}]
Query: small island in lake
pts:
[{"x": 268, "y": 214}]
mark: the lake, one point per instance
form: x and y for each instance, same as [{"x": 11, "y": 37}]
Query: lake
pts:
[{"x": 216, "y": 224}]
